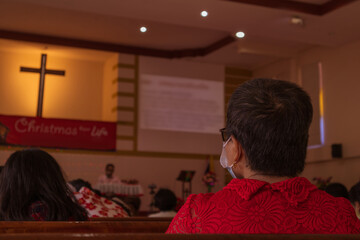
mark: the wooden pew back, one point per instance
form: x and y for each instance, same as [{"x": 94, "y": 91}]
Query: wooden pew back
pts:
[
  {"x": 84, "y": 227},
  {"x": 159, "y": 236},
  {"x": 141, "y": 219}
]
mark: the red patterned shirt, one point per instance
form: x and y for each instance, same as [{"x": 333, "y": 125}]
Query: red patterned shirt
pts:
[
  {"x": 252, "y": 206},
  {"x": 38, "y": 211},
  {"x": 97, "y": 206}
]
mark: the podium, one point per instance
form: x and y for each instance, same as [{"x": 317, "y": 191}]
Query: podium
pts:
[
  {"x": 121, "y": 189},
  {"x": 185, "y": 177}
]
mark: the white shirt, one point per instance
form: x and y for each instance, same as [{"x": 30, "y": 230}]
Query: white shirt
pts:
[
  {"x": 104, "y": 179},
  {"x": 163, "y": 214}
]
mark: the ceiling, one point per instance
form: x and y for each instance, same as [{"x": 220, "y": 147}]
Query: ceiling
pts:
[{"x": 176, "y": 29}]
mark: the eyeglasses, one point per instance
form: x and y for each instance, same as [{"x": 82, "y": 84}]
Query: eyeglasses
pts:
[{"x": 224, "y": 134}]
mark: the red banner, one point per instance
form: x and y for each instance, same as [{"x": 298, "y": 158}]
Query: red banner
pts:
[{"x": 58, "y": 133}]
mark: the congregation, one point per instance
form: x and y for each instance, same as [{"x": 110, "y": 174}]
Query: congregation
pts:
[{"x": 179, "y": 120}]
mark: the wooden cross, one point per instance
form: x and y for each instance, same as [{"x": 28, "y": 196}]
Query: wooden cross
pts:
[{"x": 42, "y": 70}]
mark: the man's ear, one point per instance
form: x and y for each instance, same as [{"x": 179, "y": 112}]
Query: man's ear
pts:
[
  {"x": 238, "y": 152},
  {"x": 357, "y": 206},
  {"x": 235, "y": 151}
]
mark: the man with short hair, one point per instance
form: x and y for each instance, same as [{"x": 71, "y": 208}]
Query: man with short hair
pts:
[
  {"x": 109, "y": 175},
  {"x": 264, "y": 149}
]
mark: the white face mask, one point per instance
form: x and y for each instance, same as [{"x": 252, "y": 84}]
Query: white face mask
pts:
[{"x": 224, "y": 161}]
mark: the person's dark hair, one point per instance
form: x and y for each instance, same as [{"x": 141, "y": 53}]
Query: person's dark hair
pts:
[
  {"x": 271, "y": 120},
  {"x": 337, "y": 190},
  {"x": 109, "y": 165},
  {"x": 354, "y": 193},
  {"x": 79, "y": 183},
  {"x": 165, "y": 200},
  {"x": 34, "y": 175},
  {"x": 133, "y": 203}
]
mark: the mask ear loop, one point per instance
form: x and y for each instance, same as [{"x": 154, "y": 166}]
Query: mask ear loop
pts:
[
  {"x": 229, "y": 168},
  {"x": 224, "y": 144},
  {"x": 232, "y": 165}
]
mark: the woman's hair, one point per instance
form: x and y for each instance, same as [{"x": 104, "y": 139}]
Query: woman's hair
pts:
[
  {"x": 355, "y": 193},
  {"x": 271, "y": 120},
  {"x": 165, "y": 200},
  {"x": 337, "y": 190},
  {"x": 33, "y": 175},
  {"x": 79, "y": 183}
]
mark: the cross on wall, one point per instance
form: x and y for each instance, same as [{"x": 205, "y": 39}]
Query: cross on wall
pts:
[{"x": 43, "y": 71}]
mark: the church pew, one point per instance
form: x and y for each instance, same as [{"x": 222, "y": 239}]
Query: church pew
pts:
[
  {"x": 159, "y": 236},
  {"x": 84, "y": 227},
  {"x": 141, "y": 219}
]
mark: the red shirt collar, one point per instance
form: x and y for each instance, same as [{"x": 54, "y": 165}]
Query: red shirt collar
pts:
[{"x": 295, "y": 189}]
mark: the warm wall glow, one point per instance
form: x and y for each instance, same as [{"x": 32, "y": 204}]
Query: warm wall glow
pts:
[
  {"x": 77, "y": 95},
  {"x": 321, "y": 105},
  {"x": 321, "y": 110},
  {"x": 18, "y": 90}
]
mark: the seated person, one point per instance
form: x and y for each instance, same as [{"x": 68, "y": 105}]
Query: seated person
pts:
[
  {"x": 264, "y": 149},
  {"x": 32, "y": 187},
  {"x": 105, "y": 182},
  {"x": 354, "y": 195},
  {"x": 77, "y": 184},
  {"x": 131, "y": 202},
  {"x": 165, "y": 201},
  {"x": 95, "y": 205},
  {"x": 108, "y": 177},
  {"x": 337, "y": 190}
]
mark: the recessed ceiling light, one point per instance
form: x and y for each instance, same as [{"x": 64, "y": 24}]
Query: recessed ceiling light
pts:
[
  {"x": 204, "y": 13},
  {"x": 240, "y": 34},
  {"x": 143, "y": 29},
  {"x": 296, "y": 20}
]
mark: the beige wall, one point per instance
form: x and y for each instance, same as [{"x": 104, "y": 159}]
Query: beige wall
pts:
[
  {"x": 345, "y": 170},
  {"x": 341, "y": 86}
]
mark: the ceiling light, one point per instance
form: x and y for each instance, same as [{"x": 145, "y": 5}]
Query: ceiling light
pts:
[
  {"x": 204, "y": 13},
  {"x": 296, "y": 20},
  {"x": 240, "y": 34},
  {"x": 143, "y": 29}
]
